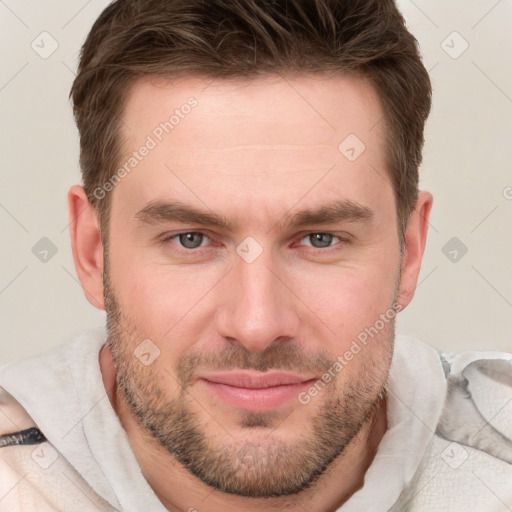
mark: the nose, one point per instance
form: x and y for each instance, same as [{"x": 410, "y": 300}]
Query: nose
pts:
[{"x": 257, "y": 308}]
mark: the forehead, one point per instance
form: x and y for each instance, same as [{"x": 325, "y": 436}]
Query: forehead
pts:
[
  {"x": 275, "y": 138},
  {"x": 318, "y": 108}
]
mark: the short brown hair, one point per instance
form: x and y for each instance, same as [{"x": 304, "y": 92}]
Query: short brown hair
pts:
[{"x": 235, "y": 39}]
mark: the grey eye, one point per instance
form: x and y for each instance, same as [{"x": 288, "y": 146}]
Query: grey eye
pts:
[
  {"x": 320, "y": 240},
  {"x": 191, "y": 240}
]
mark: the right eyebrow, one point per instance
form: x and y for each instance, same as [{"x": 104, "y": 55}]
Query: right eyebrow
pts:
[{"x": 169, "y": 211}]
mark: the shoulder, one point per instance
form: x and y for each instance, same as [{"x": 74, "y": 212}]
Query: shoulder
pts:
[
  {"x": 34, "y": 476},
  {"x": 478, "y": 405},
  {"x": 468, "y": 464}
]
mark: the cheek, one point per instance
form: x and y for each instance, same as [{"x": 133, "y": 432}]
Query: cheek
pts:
[
  {"x": 163, "y": 300},
  {"x": 351, "y": 298}
]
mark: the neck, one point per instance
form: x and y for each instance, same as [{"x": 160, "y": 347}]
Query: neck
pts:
[{"x": 180, "y": 491}]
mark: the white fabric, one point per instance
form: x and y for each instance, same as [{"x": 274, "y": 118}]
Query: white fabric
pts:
[
  {"x": 416, "y": 391},
  {"x": 62, "y": 393}
]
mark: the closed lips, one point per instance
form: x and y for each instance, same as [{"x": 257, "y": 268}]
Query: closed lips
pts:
[{"x": 254, "y": 381}]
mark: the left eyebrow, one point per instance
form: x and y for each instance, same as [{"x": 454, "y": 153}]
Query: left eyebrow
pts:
[{"x": 337, "y": 211}]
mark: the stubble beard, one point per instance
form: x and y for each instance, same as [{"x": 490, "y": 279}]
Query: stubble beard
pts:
[{"x": 259, "y": 463}]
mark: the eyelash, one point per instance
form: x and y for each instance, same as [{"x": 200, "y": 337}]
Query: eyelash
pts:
[{"x": 168, "y": 240}]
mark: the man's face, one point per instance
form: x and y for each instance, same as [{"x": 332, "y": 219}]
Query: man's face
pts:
[{"x": 268, "y": 289}]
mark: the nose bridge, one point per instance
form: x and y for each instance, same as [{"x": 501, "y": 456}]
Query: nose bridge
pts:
[{"x": 257, "y": 308}]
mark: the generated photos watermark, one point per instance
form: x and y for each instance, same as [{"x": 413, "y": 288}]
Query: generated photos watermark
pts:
[
  {"x": 157, "y": 135},
  {"x": 344, "y": 359}
]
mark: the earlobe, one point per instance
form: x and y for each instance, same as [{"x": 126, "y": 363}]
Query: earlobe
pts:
[
  {"x": 415, "y": 241},
  {"x": 86, "y": 245}
]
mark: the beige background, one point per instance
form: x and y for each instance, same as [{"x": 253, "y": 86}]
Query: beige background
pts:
[{"x": 464, "y": 301}]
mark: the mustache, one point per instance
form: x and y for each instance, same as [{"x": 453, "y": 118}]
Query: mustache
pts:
[{"x": 237, "y": 357}]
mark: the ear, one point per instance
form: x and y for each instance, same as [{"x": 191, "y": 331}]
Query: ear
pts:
[
  {"x": 415, "y": 240},
  {"x": 86, "y": 245}
]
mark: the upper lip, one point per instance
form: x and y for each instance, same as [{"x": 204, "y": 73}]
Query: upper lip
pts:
[{"x": 254, "y": 380}]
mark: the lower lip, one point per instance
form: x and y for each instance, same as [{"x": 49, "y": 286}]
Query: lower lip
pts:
[{"x": 261, "y": 399}]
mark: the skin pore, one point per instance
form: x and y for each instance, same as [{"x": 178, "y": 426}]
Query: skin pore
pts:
[{"x": 292, "y": 251}]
